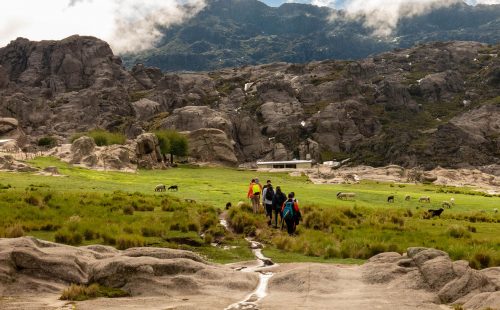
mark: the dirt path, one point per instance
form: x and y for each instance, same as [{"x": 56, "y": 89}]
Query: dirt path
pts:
[{"x": 321, "y": 286}]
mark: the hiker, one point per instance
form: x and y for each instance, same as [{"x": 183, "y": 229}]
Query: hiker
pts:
[
  {"x": 267, "y": 200},
  {"x": 290, "y": 212},
  {"x": 254, "y": 194},
  {"x": 278, "y": 201}
]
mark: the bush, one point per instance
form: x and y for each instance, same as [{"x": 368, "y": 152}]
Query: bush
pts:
[
  {"x": 89, "y": 234},
  {"x": 331, "y": 252},
  {"x": 67, "y": 237},
  {"x": 82, "y": 292},
  {"x": 125, "y": 242},
  {"x": 14, "y": 231},
  {"x": 128, "y": 210},
  {"x": 47, "y": 141},
  {"x": 457, "y": 231},
  {"x": 151, "y": 232},
  {"x": 33, "y": 200},
  {"x": 102, "y": 137}
]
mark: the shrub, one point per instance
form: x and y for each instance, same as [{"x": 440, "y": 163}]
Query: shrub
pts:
[
  {"x": 3, "y": 186},
  {"x": 125, "y": 242},
  {"x": 208, "y": 238},
  {"x": 128, "y": 230},
  {"x": 151, "y": 232},
  {"x": 47, "y": 141},
  {"x": 457, "y": 231},
  {"x": 331, "y": 252},
  {"x": 484, "y": 260},
  {"x": 89, "y": 234},
  {"x": 33, "y": 200},
  {"x": 67, "y": 237},
  {"x": 14, "y": 231},
  {"x": 109, "y": 239},
  {"x": 102, "y": 137},
  {"x": 128, "y": 210},
  {"x": 193, "y": 227},
  {"x": 82, "y": 292}
]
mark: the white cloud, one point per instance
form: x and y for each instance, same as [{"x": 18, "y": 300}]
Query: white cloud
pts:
[
  {"x": 128, "y": 25},
  {"x": 383, "y": 15}
]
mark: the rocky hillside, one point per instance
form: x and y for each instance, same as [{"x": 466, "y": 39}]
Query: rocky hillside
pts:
[
  {"x": 433, "y": 104},
  {"x": 229, "y": 33}
]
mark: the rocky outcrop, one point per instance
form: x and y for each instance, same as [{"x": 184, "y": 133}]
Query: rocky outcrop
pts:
[
  {"x": 145, "y": 109},
  {"x": 9, "y": 163},
  {"x": 9, "y": 129},
  {"x": 211, "y": 145},
  {"x": 429, "y": 269},
  {"x": 148, "y": 151},
  {"x": 81, "y": 149},
  {"x": 410, "y": 107},
  {"x": 143, "y": 152},
  {"x": 40, "y": 266},
  {"x": 341, "y": 126},
  {"x": 191, "y": 118}
]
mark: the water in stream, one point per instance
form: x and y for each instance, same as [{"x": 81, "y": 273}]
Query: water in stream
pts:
[{"x": 250, "y": 302}]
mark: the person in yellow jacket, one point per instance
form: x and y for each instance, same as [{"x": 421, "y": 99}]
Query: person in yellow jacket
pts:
[{"x": 254, "y": 193}]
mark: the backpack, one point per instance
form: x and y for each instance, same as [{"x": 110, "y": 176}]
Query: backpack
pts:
[
  {"x": 288, "y": 210},
  {"x": 269, "y": 193}
]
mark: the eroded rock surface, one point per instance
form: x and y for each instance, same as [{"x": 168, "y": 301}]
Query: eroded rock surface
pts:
[{"x": 27, "y": 264}]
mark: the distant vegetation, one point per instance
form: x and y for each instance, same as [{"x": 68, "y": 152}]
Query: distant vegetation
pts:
[
  {"x": 102, "y": 137},
  {"x": 47, "y": 141}
]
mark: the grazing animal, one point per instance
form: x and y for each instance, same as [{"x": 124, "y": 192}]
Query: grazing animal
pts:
[
  {"x": 446, "y": 204},
  {"x": 228, "y": 205},
  {"x": 424, "y": 199},
  {"x": 434, "y": 213},
  {"x": 407, "y": 197},
  {"x": 345, "y": 196},
  {"x": 160, "y": 188},
  {"x": 173, "y": 188},
  {"x": 190, "y": 200},
  {"x": 452, "y": 201},
  {"x": 390, "y": 198},
  {"x": 495, "y": 210}
]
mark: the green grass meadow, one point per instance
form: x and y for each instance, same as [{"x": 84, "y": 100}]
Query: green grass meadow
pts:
[{"x": 122, "y": 209}]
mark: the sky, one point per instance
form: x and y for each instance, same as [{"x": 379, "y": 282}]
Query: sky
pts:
[{"x": 131, "y": 25}]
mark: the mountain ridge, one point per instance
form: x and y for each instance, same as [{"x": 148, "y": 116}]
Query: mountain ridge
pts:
[{"x": 229, "y": 33}]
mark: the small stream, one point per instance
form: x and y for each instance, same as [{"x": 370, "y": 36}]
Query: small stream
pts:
[{"x": 262, "y": 262}]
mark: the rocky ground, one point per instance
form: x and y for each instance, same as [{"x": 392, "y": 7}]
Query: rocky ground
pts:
[
  {"x": 433, "y": 104},
  {"x": 485, "y": 178},
  {"x": 33, "y": 273}
]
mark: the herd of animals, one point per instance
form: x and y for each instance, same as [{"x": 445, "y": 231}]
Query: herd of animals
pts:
[
  {"x": 350, "y": 195},
  {"x": 426, "y": 199}
]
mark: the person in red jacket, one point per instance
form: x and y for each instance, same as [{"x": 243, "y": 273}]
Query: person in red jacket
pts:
[{"x": 254, "y": 192}]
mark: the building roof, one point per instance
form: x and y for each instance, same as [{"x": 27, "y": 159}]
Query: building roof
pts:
[{"x": 284, "y": 162}]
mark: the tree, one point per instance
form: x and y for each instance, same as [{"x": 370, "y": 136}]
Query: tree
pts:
[{"x": 173, "y": 143}]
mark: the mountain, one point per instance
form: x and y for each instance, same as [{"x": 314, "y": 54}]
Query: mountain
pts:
[
  {"x": 229, "y": 33},
  {"x": 432, "y": 104}
]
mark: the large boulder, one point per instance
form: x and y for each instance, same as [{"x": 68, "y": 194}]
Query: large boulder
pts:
[
  {"x": 145, "y": 109},
  {"x": 148, "y": 151},
  {"x": 281, "y": 118},
  {"x": 441, "y": 86},
  {"x": 10, "y": 129},
  {"x": 341, "y": 126},
  {"x": 211, "y": 145},
  {"x": 191, "y": 118},
  {"x": 82, "y": 148},
  {"x": 430, "y": 269}
]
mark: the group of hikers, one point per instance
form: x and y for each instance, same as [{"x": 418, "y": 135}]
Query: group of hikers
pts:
[{"x": 275, "y": 201}]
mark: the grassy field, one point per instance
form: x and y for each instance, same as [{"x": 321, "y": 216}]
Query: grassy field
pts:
[{"x": 122, "y": 209}]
